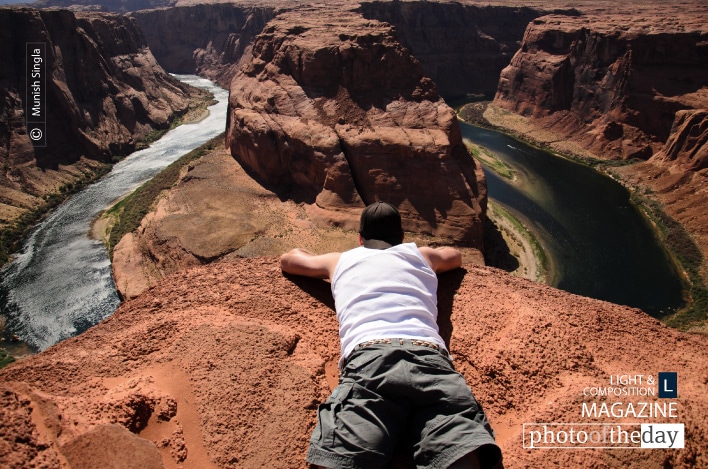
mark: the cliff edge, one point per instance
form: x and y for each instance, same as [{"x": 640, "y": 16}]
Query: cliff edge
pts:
[{"x": 224, "y": 365}]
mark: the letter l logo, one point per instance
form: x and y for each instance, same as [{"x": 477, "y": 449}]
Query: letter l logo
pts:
[{"x": 668, "y": 385}]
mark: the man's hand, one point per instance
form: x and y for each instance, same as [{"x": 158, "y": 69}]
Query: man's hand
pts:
[{"x": 301, "y": 262}]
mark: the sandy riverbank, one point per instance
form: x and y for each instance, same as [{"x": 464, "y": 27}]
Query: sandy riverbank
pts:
[
  {"x": 101, "y": 226},
  {"x": 521, "y": 242}
]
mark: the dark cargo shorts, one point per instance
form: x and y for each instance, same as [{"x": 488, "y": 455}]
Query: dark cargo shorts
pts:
[{"x": 400, "y": 394}]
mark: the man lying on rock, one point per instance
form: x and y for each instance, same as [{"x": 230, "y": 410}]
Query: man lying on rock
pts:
[{"x": 397, "y": 380}]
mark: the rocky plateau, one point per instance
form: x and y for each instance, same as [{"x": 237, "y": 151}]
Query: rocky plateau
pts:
[{"x": 223, "y": 366}]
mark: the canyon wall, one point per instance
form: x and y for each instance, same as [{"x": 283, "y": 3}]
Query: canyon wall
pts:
[
  {"x": 687, "y": 144},
  {"x": 103, "y": 93},
  {"x": 463, "y": 48},
  {"x": 612, "y": 84},
  {"x": 333, "y": 111},
  {"x": 207, "y": 40}
]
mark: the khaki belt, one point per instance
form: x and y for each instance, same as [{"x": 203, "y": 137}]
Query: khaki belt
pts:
[{"x": 422, "y": 343}]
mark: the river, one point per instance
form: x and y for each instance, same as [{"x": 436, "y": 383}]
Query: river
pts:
[
  {"x": 598, "y": 243},
  {"x": 600, "y": 246},
  {"x": 60, "y": 283}
]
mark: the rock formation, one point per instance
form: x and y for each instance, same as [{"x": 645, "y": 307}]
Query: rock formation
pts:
[
  {"x": 104, "y": 93},
  {"x": 332, "y": 111},
  {"x": 224, "y": 365},
  {"x": 207, "y": 40},
  {"x": 463, "y": 48},
  {"x": 687, "y": 144},
  {"x": 606, "y": 82}
]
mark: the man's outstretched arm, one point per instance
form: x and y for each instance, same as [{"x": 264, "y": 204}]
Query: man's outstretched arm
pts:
[
  {"x": 442, "y": 259},
  {"x": 301, "y": 262}
]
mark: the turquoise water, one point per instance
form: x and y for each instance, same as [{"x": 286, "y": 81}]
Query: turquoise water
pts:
[{"x": 598, "y": 242}]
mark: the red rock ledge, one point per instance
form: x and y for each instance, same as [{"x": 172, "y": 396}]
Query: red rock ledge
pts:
[{"x": 224, "y": 365}]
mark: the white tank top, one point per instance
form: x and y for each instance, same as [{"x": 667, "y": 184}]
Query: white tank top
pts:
[{"x": 383, "y": 294}]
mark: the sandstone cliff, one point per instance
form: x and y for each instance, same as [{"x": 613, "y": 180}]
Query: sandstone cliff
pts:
[
  {"x": 207, "y": 40},
  {"x": 613, "y": 84},
  {"x": 104, "y": 93},
  {"x": 224, "y": 365},
  {"x": 332, "y": 111},
  {"x": 687, "y": 144},
  {"x": 463, "y": 48}
]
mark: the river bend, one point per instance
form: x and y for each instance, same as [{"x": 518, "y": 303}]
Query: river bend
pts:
[
  {"x": 598, "y": 242},
  {"x": 60, "y": 284}
]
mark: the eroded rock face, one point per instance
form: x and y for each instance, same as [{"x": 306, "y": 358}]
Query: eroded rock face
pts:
[
  {"x": 104, "y": 92},
  {"x": 207, "y": 40},
  {"x": 224, "y": 366},
  {"x": 687, "y": 144},
  {"x": 613, "y": 84},
  {"x": 463, "y": 48},
  {"x": 331, "y": 110}
]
